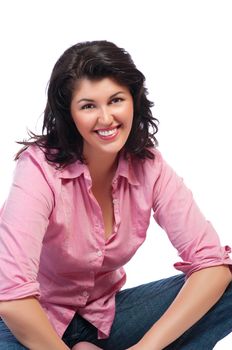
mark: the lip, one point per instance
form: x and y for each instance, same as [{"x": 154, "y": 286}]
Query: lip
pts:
[
  {"x": 108, "y": 129},
  {"x": 108, "y": 137}
]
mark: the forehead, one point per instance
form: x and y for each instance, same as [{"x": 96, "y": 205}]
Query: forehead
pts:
[{"x": 106, "y": 86}]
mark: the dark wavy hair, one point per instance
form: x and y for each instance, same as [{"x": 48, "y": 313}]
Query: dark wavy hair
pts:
[{"x": 60, "y": 140}]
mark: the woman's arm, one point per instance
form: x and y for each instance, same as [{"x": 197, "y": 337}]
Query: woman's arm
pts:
[
  {"x": 199, "y": 293},
  {"x": 204, "y": 261},
  {"x": 30, "y": 325},
  {"x": 23, "y": 224}
]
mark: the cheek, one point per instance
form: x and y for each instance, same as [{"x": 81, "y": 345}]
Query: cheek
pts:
[
  {"x": 79, "y": 125},
  {"x": 131, "y": 114},
  {"x": 82, "y": 123},
  {"x": 131, "y": 109},
  {"x": 127, "y": 114}
]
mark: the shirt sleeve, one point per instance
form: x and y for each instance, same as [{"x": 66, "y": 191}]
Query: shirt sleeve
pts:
[
  {"x": 23, "y": 222},
  {"x": 193, "y": 236}
]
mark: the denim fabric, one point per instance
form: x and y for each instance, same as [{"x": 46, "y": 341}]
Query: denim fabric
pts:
[
  {"x": 7, "y": 340},
  {"x": 136, "y": 310}
]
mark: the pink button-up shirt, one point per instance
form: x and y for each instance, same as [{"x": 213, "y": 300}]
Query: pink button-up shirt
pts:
[{"x": 52, "y": 241}]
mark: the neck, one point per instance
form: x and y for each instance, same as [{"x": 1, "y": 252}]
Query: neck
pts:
[{"x": 102, "y": 167}]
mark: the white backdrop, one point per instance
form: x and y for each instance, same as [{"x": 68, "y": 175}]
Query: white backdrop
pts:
[{"x": 184, "y": 49}]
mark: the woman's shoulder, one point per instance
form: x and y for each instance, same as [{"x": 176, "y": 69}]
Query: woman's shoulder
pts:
[
  {"x": 148, "y": 169},
  {"x": 33, "y": 151},
  {"x": 154, "y": 161},
  {"x": 34, "y": 156}
]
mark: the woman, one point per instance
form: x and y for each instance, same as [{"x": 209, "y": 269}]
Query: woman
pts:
[{"x": 78, "y": 210}]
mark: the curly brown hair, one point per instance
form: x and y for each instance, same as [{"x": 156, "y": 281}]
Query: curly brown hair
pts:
[{"x": 60, "y": 140}]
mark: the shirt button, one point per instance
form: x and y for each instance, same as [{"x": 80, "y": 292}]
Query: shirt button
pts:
[
  {"x": 85, "y": 294},
  {"x": 115, "y": 201},
  {"x": 99, "y": 253}
]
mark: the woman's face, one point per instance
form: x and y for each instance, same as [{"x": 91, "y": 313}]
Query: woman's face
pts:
[{"x": 102, "y": 111}]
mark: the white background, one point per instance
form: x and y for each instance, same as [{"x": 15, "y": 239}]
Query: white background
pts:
[{"x": 183, "y": 48}]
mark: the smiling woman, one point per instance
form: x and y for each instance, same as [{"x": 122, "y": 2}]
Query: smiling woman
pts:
[
  {"x": 79, "y": 208},
  {"x": 91, "y": 62},
  {"x": 102, "y": 111}
]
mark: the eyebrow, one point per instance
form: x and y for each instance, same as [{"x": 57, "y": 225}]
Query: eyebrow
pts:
[{"x": 90, "y": 100}]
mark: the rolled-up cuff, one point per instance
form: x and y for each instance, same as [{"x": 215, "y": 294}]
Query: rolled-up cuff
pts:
[
  {"x": 20, "y": 292},
  {"x": 188, "y": 267}
]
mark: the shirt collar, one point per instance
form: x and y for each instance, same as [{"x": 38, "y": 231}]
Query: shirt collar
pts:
[
  {"x": 125, "y": 169},
  {"x": 72, "y": 171}
]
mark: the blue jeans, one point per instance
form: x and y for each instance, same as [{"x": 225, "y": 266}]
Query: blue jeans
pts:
[{"x": 137, "y": 309}]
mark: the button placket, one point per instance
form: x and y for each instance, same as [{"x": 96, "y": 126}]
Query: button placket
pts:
[
  {"x": 114, "y": 184},
  {"x": 99, "y": 253}
]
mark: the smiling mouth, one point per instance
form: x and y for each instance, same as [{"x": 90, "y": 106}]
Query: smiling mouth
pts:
[{"x": 108, "y": 132}]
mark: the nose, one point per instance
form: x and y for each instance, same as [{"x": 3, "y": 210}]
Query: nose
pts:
[{"x": 105, "y": 117}]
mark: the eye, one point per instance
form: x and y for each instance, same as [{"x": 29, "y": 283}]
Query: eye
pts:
[
  {"x": 116, "y": 100},
  {"x": 88, "y": 106}
]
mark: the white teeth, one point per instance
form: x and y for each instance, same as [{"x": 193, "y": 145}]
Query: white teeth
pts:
[{"x": 107, "y": 132}]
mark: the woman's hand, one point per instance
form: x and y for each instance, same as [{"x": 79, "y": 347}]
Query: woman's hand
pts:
[{"x": 83, "y": 345}]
